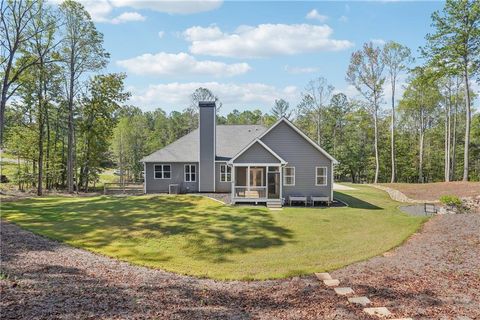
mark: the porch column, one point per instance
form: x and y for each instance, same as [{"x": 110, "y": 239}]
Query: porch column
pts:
[{"x": 232, "y": 176}]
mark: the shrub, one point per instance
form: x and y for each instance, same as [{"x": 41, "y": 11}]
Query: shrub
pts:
[{"x": 450, "y": 200}]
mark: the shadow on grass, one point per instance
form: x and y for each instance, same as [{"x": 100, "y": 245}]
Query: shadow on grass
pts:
[
  {"x": 208, "y": 232},
  {"x": 354, "y": 202},
  {"x": 51, "y": 288}
]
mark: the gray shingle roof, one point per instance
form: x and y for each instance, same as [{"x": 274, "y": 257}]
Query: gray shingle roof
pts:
[{"x": 231, "y": 139}]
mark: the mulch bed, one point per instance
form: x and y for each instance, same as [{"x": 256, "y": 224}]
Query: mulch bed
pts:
[{"x": 436, "y": 274}]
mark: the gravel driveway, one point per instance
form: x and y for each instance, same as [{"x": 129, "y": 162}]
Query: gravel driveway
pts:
[{"x": 436, "y": 274}]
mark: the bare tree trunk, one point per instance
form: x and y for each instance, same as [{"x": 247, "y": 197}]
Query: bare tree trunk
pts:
[
  {"x": 454, "y": 141},
  {"x": 40, "y": 142},
  {"x": 449, "y": 135},
  {"x": 318, "y": 127},
  {"x": 70, "y": 150},
  {"x": 445, "y": 148},
  {"x": 377, "y": 163},
  {"x": 420, "y": 156},
  {"x": 467, "y": 125},
  {"x": 420, "y": 162},
  {"x": 392, "y": 130}
]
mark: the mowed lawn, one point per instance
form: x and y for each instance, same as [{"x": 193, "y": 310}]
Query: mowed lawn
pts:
[{"x": 197, "y": 236}]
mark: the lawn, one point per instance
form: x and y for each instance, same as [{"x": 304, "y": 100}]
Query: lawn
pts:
[{"x": 198, "y": 236}]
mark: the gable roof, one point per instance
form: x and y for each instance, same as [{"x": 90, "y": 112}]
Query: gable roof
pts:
[
  {"x": 230, "y": 140},
  {"x": 313, "y": 143},
  {"x": 261, "y": 143}
]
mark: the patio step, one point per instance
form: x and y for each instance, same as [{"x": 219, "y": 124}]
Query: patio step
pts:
[{"x": 274, "y": 204}]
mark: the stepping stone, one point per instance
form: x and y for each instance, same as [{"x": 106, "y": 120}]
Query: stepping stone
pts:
[
  {"x": 343, "y": 291},
  {"x": 331, "y": 282},
  {"x": 359, "y": 300},
  {"x": 379, "y": 312},
  {"x": 323, "y": 276}
]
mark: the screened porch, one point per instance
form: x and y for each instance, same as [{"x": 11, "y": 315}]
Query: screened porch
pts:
[{"x": 256, "y": 183}]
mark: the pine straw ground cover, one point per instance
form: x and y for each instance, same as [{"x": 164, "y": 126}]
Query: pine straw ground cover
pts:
[
  {"x": 433, "y": 191},
  {"x": 434, "y": 275}
]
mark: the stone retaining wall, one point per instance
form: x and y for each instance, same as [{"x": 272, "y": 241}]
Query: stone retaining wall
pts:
[{"x": 399, "y": 196}]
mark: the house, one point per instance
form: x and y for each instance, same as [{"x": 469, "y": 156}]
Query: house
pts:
[{"x": 252, "y": 162}]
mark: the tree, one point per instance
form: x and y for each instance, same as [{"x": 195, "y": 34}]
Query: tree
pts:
[
  {"x": 129, "y": 145},
  {"x": 81, "y": 52},
  {"x": 281, "y": 109},
  {"x": 455, "y": 46},
  {"x": 204, "y": 94},
  {"x": 420, "y": 103},
  {"x": 365, "y": 72},
  {"x": 315, "y": 99},
  {"x": 336, "y": 119},
  {"x": 40, "y": 80},
  {"x": 16, "y": 18},
  {"x": 97, "y": 120},
  {"x": 396, "y": 58}
]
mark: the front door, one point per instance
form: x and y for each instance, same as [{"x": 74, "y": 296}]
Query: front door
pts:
[{"x": 273, "y": 178}]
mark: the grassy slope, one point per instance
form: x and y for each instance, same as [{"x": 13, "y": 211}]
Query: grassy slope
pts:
[{"x": 197, "y": 236}]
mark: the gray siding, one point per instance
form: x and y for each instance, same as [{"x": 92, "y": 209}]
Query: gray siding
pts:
[
  {"x": 256, "y": 154},
  {"x": 207, "y": 147},
  {"x": 177, "y": 177},
  {"x": 299, "y": 153},
  {"x": 221, "y": 186}
]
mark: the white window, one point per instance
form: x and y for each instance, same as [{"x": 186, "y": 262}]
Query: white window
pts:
[
  {"x": 225, "y": 173},
  {"x": 190, "y": 173},
  {"x": 289, "y": 176},
  {"x": 320, "y": 176},
  {"x": 162, "y": 171}
]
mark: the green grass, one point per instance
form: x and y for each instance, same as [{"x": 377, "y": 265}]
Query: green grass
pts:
[{"x": 197, "y": 236}]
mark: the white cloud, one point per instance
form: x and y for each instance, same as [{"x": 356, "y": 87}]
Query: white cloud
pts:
[
  {"x": 161, "y": 34},
  {"x": 246, "y": 95},
  {"x": 378, "y": 42},
  {"x": 300, "y": 70},
  {"x": 343, "y": 19},
  {"x": 170, "y": 6},
  {"x": 315, "y": 15},
  {"x": 200, "y": 33},
  {"x": 263, "y": 40},
  {"x": 101, "y": 10},
  {"x": 128, "y": 17},
  {"x": 180, "y": 64}
]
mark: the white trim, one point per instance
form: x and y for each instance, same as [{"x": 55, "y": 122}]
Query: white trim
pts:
[
  {"x": 255, "y": 164},
  {"x": 226, "y": 173},
  {"x": 257, "y": 140},
  {"x": 199, "y": 159},
  {"x": 331, "y": 181},
  {"x": 323, "y": 176},
  {"x": 145, "y": 178},
  {"x": 288, "y": 176},
  {"x": 214, "y": 145},
  {"x": 162, "y": 164},
  {"x": 313, "y": 143},
  {"x": 190, "y": 172}
]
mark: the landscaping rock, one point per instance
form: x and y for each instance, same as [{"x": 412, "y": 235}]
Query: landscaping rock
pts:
[
  {"x": 378, "y": 311},
  {"x": 331, "y": 283},
  {"x": 359, "y": 300},
  {"x": 344, "y": 291},
  {"x": 323, "y": 276}
]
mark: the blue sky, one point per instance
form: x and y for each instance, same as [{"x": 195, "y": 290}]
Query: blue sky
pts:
[{"x": 248, "y": 53}]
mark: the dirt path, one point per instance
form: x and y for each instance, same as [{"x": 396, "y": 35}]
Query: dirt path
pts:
[{"x": 435, "y": 274}]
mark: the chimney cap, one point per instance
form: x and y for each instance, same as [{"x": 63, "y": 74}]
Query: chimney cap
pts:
[{"x": 206, "y": 103}]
